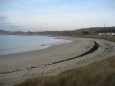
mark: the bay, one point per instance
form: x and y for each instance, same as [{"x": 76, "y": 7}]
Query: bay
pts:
[{"x": 10, "y": 44}]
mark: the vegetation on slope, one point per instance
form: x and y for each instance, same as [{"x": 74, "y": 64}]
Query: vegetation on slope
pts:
[
  {"x": 100, "y": 73},
  {"x": 109, "y": 38},
  {"x": 82, "y": 31}
]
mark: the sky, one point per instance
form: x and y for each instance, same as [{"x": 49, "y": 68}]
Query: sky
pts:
[{"x": 43, "y": 15}]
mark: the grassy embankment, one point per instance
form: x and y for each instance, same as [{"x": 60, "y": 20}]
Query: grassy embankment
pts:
[
  {"x": 96, "y": 74},
  {"x": 109, "y": 38},
  {"x": 100, "y": 73}
]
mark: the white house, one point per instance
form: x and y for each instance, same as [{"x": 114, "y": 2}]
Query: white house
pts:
[{"x": 109, "y": 34}]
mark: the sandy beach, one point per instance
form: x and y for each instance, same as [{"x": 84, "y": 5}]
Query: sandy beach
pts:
[{"x": 15, "y": 68}]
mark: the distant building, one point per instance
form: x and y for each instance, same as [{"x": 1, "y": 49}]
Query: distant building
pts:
[
  {"x": 113, "y": 34},
  {"x": 108, "y": 34}
]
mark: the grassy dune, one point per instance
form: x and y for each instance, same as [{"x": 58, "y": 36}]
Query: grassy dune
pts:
[
  {"x": 109, "y": 38},
  {"x": 100, "y": 73}
]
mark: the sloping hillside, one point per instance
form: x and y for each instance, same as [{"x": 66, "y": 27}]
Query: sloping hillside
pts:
[{"x": 82, "y": 31}]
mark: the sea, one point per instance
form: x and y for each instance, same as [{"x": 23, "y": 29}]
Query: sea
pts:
[{"x": 11, "y": 44}]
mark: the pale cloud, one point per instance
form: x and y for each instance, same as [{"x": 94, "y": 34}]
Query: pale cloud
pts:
[
  {"x": 58, "y": 14},
  {"x": 37, "y": 1},
  {"x": 2, "y": 18},
  {"x": 4, "y": 25},
  {"x": 5, "y": 1}
]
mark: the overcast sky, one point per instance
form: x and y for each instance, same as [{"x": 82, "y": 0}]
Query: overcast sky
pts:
[{"x": 37, "y": 15}]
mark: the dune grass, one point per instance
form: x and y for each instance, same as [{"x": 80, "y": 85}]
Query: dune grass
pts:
[
  {"x": 109, "y": 38},
  {"x": 100, "y": 73}
]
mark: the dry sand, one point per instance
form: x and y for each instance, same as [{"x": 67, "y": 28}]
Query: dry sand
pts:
[{"x": 16, "y": 68}]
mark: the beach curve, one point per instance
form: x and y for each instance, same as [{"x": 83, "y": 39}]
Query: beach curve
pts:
[{"x": 18, "y": 67}]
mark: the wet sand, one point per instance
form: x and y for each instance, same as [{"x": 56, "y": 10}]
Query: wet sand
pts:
[{"x": 16, "y": 68}]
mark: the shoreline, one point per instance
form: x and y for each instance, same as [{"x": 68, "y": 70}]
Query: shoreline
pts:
[
  {"x": 33, "y": 47},
  {"x": 16, "y": 68}
]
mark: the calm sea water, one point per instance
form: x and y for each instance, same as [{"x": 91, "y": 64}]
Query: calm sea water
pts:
[{"x": 10, "y": 44}]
